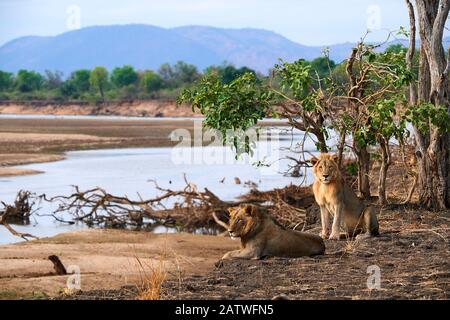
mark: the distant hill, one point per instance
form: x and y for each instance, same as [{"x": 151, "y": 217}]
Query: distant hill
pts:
[{"x": 147, "y": 47}]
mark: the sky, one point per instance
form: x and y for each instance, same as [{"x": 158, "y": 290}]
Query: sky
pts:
[{"x": 309, "y": 22}]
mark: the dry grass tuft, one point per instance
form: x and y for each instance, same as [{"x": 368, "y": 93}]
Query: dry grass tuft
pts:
[{"x": 152, "y": 277}]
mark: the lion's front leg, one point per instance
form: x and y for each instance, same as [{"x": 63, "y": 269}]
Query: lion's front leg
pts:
[
  {"x": 336, "y": 227},
  {"x": 325, "y": 220},
  {"x": 241, "y": 254}
]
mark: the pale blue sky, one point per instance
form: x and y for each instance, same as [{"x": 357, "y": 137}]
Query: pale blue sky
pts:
[{"x": 310, "y": 22}]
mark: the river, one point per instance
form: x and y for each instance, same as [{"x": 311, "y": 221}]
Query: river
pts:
[{"x": 126, "y": 172}]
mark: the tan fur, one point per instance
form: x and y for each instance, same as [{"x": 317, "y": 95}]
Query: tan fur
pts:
[
  {"x": 262, "y": 236},
  {"x": 335, "y": 198}
]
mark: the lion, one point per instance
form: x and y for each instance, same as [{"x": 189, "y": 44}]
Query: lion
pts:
[
  {"x": 336, "y": 198},
  {"x": 262, "y": 236}
]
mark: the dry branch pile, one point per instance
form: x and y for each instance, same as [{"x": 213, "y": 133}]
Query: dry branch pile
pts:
[
  {"x": 193, "y": 210},
  {"x": 20, "y": 212},
  {"x": 291, "y": 206}
]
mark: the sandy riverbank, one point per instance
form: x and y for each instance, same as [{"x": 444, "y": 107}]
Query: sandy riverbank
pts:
[
  {"x": 106, "y": 258},
  {"x": 148, "y": 108},
  {"x": 36, "y": 140},
  {"x": 26, "y": 141}
]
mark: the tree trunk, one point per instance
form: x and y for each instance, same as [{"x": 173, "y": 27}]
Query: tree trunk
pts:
[
  {"x": 341, "y": 146},
  {"x": 385, "y": 162},
  {"x": 363, "y": 170},
  {"x": 432, "y": 152}
]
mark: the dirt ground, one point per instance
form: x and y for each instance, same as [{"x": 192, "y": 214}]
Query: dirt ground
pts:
[
  {"x": 107, "y": 260},
  {"x": 412, "y": 254}
]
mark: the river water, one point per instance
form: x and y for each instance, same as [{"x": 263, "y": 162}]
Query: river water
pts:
[{"x": 126, "y": 172}]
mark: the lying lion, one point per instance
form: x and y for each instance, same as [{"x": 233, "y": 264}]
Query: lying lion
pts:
[
  {"x": 336, "y": 198},
  {"x": 262, "y": 236}
]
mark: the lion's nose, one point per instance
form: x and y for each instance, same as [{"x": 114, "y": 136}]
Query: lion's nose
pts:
[{"x": 326, "y": 176}]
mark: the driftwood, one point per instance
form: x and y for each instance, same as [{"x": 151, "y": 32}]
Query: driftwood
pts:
[{"x": 21, "y": 211}]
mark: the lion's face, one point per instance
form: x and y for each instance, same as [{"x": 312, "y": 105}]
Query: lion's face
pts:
[
  {"x": 325, "y": 168},
  {"x": 243, "y": 220}
]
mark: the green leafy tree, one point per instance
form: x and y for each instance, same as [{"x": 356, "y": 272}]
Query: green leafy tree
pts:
[
  {"x": 376, "y": 85},
  {"x": 230, "y": 108},
  {"x": 396, "y": 48},
  {"x": 99, "y": 80},
  {"x": 124, "y": 76},
  {"x": 68, "y": 89},
  {"x": 27, "y": 81},
  {"x": 151, "y": 81},
  {"x": 228, "y": 72},
  {"x": 81, "y": 80},
  {"x": 322, "y": 66},
  {"x": 6, "y": 80}
]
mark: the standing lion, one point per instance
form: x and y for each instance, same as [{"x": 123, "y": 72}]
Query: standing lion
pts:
[{"x": 337, "y": 199}]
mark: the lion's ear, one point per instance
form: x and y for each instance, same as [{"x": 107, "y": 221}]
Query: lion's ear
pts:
[
  {"x": 313, "y": 161},
  {"x": 335, "y": 158},
  {"x": 249, "y": 209},
  {"x": 231, "y": 211}
]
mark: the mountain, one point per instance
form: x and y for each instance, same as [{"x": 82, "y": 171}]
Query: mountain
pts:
[
  {"x": 139, "y": 45},
  {"x": 147, "y": 47},
  {"x": 255, "y": 48}
]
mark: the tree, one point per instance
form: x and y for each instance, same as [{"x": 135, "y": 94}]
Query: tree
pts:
[
  {"x": 185, "y": 73},
  {"x": 322, "y": 66},
  {"x": 125, "y": 76},
  {"x": 305, "y": 105},
  {"x": 364, "y": 107},
  {"x": 228, "y": 72},
  {"x": 166, "y": 72},
  {"x": 429, "y": 100},
  {"x": 80, "y": 80},
  {"x": 376, "y": 85},
  {"x": 179, "y": 74},
  {"x": 151, "y": 81},
  {"x": 396, "y": 48},
  {"x": 99, "y": 80},
  {"x": 27, "y": 81},
  {"x": 53, "y": 79},
  {"x": 230, "y": 108},
  {"x": 6, "y": 80},
  {"x": 68, "y": 89}
]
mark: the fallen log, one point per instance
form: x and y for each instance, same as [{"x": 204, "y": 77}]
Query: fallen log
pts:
[{"x": 21, "y": 210}]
